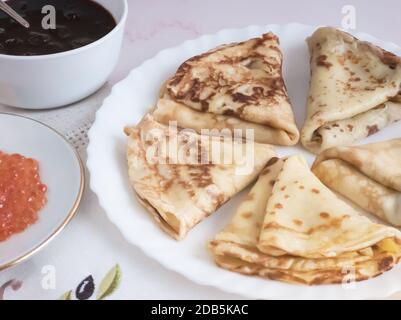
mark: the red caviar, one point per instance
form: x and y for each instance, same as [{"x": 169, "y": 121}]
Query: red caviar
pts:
[{"x": 22, "y": 194}]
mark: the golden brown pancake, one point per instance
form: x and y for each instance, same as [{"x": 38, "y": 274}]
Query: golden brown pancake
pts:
[
  {"x": 235, "y": 86},
  {"x": 368, "y": 175},
  {"x": 354, "y": 90},
  {"x": 180, "y": 189}
]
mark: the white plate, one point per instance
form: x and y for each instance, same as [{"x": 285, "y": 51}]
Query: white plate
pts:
[
  {"x": 60, "y": 169},
  {"x": 130, "y": 100}
]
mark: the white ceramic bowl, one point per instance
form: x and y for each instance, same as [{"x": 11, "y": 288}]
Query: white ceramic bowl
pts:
[{"x": 54, "y": 80}]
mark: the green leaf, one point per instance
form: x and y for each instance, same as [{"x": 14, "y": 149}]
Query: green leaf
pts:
[
  {"x": 66, "y": 296},
  {"x": 109, "y": 283}
]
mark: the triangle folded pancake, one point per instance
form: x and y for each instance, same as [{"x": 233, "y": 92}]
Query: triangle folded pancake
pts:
[
  {"x": 368, "y": 175},
  {"x": 279, "y": 232},
  {"x": 235, "y": 86},
  {"x": 354, "y": 90},
  {"x": 181, "y": 177},
  {"x": 303, "y": 209}
]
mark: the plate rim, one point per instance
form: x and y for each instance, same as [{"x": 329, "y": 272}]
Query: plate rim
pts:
[
  {"x": 115, "y": 92},
  {"x": 72, "y": 211}
]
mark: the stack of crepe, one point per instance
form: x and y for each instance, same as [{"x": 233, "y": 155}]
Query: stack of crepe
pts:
[
  {"x": 369, "y": 175},
  {"x": 228, "y": 90},
  {"x": 354, "y": 90},
  {"x": 292, "y": 228}
]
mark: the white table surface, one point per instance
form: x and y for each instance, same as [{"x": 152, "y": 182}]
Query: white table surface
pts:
[{"x": 91, "y": 245}]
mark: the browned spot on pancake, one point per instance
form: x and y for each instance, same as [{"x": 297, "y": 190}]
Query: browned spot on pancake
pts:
[
  {"x": 386, "y": 263},
  {"x": 315, "y": 190},
  {"x": 272, "y": 182},
  {"x": 390, "y": 59},
  {"x": 191, "y": 193},
  {"x": 334, "y": 223},
  {"x": 265, "y": 171},
  {"x": 239, "y": 97},
  {"x": 286, "y": 196},
  {"x": 322, "y": 61},
  {"x": 324, "y": 215},
  {"x": 270, "y": 36},
  {"x": 350, "y": 56},
  {"x": 272, "y": 161},
  {"x": 301, "y": 187},
  {"x": 298, "y": 222},
  {"x": 258, "y": 225},
  {"x": 258, "y": 91},
  {"x": 372, "y": 129},
  {"x": 283, "y": 188},
  {"x": 201, "y": 175},
  {"x": 296, "y": 181},
  {"x": 229, "y": 112},
  {"x": 204, "y": 105},
  {"x": 272, "y": 213},
  {"x": 247, "y": 215},
  {"x": 369, "y": 89},
  {"x": 278, "y": 206},
  {"x": 350, "y": 127}
]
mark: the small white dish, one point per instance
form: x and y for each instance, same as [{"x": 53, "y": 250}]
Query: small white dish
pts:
[
  {"x": 60, "y": 169},
  {"x": 54, "y": 80},
  {"x": 133, "y": 97}
]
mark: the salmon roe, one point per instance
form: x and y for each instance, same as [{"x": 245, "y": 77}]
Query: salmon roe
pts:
[{"x": 22, "y": 194}]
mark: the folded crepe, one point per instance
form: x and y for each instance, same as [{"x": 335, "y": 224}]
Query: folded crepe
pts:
[
  {"x": 354, "y": 90},
  {"x": 292, "y": 228},
  {"x": 181, "y": 177},
  {"x": 368, "y": 175},
  {"x": 235, "y": 86}
]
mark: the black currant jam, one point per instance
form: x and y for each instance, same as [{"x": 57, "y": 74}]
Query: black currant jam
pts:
[{"x": 77, "y": 23}]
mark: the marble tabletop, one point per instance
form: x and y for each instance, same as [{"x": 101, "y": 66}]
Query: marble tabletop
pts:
[{"x": 90, "y": 245}]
